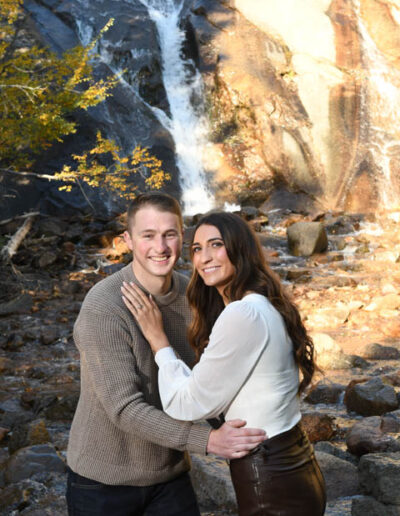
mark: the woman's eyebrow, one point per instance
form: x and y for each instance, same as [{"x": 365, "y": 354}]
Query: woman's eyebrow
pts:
[{"x": 209, "y": 240}]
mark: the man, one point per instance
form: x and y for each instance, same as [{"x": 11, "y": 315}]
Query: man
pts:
[{"x": 127, "y": 457}]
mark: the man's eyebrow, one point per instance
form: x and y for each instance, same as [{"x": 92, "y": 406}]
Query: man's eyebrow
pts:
[{"x": 209, "y": 240}]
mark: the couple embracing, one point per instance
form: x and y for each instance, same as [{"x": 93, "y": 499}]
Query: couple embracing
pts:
[{"x": 144, "y": 389}]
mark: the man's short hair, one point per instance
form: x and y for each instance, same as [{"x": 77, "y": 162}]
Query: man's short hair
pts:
[{"x": 160, "y": 201}]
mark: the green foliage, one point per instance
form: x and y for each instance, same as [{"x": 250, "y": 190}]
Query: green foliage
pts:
[{"x": 38, "y": 92}]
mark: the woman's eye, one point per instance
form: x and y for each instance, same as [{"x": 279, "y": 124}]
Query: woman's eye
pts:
[
  {"x": 195, "y": 249},
  {"x": 217, "y": 244}
]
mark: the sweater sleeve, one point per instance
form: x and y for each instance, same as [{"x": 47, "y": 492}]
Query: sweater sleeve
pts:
[
  {"x": 109, "y": 364},
  {"x": 236, "y": 342}
]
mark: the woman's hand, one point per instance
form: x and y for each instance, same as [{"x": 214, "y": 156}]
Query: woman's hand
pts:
[{"x": 147, "y": 315}]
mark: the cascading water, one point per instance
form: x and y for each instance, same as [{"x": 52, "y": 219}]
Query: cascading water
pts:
[
  {"x": 187, "y": 123},
  {"x": 382, "y": 94}
]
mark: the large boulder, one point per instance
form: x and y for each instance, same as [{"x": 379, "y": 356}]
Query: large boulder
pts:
[
  {"x": 31, "y": 460},
  {"x": 371, "y": 398},
  {"x": 371, "y": 434},
  {"x": 307, "y": 238},
  {"x": 340, "y": 476},
  {"x": 380, "y": 477}
]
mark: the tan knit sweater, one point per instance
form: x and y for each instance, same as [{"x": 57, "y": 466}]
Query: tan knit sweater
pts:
[{"x": 119, "y": 434}]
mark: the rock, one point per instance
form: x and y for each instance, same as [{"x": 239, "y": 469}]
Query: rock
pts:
[
  {"x": 33, "y": 459},
  {"x": 375, "y": 351},
  {"x": 319, "y": 427},
  {"x": 328, "y": 447},
  {"x": 369, "y": 436},
  {"x": 212, "y": 483},
  {"x": 341, "y": 476},
  {"x": 3, "y": 433},
  {"x": 306, "y": 238},
  {"x": 371, "y": 398},
  {"x": 51, "y": 227},
  {"x": 34, "y": 432},
  {"x": 20, "y": 305},
  {"x": 50, "y": 335},
  {"x": 380, "y": 477},
  {"x": 62, "y": 408},
  {"x": 325, "y": 392},
  {"x": 388, "y": 302},
  {"x": 329, "y": 354},
  {"x": 46, "y": 259},
  {"x": 368, "y": 506},
  {"x": 6, "y": 366}
]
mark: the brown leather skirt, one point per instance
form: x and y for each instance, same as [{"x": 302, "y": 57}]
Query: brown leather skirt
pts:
[{"x": 281, "y": 477}]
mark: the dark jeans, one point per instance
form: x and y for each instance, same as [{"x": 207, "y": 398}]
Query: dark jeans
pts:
[
  {"x": 86, "y": 497},
  {"x": 280, "y": 478}
]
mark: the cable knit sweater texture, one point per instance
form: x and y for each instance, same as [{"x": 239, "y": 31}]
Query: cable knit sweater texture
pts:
[{"x": 119, "y": 434}]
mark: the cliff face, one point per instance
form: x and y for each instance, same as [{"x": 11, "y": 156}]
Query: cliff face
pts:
[{"x": 304, "y": 95}]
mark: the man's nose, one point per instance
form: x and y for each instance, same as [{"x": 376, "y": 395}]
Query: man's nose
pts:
[{"x": 161, "y": 244}]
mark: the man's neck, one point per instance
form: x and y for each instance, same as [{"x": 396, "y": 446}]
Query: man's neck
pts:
[{"x": 156, "y": 285}]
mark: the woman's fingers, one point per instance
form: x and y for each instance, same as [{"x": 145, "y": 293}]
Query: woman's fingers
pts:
[{"x": 133, "y": 296}]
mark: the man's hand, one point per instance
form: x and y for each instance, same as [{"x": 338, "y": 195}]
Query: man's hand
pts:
[{"x": 232, "y": 441}]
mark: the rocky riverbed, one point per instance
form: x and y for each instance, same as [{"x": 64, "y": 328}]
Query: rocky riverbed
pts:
[{"x": 349, "y": 296}]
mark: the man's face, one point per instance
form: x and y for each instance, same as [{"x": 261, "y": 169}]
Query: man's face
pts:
[{"x": 155, "y": 239}]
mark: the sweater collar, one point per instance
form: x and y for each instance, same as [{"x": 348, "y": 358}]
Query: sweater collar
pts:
[{"x": 165, "y": 299}]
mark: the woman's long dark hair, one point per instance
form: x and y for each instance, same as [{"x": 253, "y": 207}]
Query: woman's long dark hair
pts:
[{"x": 251, "y": 274}]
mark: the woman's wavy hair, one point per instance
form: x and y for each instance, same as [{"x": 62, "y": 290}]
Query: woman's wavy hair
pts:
[{"x": 251, "y": 274}]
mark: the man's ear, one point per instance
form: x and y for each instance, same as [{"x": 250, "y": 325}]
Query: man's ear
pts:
[{"x": 128, "y": 240}]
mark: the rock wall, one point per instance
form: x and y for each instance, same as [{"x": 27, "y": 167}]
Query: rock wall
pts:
[{"x": 303, "y": 95}]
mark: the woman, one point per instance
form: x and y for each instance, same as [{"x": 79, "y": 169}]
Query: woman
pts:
[{"x": 251, "y": 344}]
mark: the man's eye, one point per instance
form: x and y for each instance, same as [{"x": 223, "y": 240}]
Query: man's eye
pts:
[{"x": 171, "y": 235}]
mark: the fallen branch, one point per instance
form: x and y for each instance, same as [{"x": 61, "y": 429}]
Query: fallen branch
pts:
[
  {"x": 32, "y": 174},
  {"x": 24, "y": 216},
  {"x": 11, "y": 248}
]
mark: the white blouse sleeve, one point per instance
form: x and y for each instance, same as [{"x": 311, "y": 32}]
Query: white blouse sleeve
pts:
[{"x": 237, "y": 340}]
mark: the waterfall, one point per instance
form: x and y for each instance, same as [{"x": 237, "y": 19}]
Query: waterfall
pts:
[
  {"x": 187, "y": 123},
  {"x": 383, "y": 97}
]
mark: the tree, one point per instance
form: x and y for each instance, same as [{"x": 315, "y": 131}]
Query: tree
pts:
[{"x": 38, "y": 92}]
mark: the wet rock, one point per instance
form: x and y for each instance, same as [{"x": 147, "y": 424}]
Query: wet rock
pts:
[
  {"x": 20, "y": 305},
  {"x": 34, "y": 432},
  {"x": 248, "y": 212},
  {"x": 325, "y": 392},
  {"x": 212, "y": 483},
  {"x": 371, "y": 398},
  {"x": 380, "y": 477},
  {"x": 369, "y": 436},
  {"x": 340, "y": 476},
  {"x": 306, "y": 238},
  {"x": 34, "y": 498},
  {"x": 319, "y": 427},
  {"x": 375, "y": 351},
  {"x": 33, "y": 459},
  {"x": 367, "y": 505}
]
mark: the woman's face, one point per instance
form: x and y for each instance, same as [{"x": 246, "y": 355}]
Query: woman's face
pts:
[{"x": 210, "y": 258}]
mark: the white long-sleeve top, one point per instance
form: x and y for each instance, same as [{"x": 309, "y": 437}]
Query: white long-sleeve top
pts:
[{"x": 247, "y": 371}]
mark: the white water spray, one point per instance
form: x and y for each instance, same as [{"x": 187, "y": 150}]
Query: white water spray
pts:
[{"x": 187, "y": 127}]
